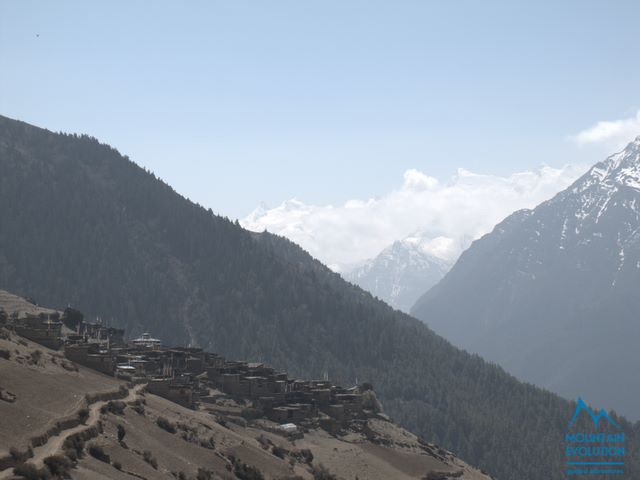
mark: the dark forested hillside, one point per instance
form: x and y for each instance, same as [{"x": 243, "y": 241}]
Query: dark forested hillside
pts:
[{"x": 82, "y": 225}]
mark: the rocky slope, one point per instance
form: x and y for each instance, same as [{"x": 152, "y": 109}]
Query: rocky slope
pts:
[{"x": 551, "y": 293}]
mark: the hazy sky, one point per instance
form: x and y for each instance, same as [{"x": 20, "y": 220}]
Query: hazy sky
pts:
[{"x": 239, "y": 102}]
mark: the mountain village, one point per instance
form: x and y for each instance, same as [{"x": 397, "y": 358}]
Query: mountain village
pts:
[{"x": 198, "y": 379}]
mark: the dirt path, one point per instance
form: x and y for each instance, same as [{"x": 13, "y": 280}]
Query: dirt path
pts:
[{"x": 54, "y": 444}]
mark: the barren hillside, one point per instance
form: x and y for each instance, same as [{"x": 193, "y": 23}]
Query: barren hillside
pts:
[{"x": 11, "y": 304}]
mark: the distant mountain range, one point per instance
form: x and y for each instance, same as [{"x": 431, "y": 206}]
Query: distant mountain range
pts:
[
  {"x": 552, "y": 294},
  {"x": 401, "y": 273},
  {"x": 81, "y": 224}
]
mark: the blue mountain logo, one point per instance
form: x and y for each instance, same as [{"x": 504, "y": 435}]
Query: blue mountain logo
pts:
[{"x": 596, "y": 417}]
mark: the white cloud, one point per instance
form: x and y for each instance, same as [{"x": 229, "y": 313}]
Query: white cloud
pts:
[
  {"x": 446, "y": 216},
  {"x": 417, "y": 180},
  {"x": 613, "y": 134}
]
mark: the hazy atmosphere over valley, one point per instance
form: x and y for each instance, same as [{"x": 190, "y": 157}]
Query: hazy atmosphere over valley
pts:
[{"x": 319, "y": 240}]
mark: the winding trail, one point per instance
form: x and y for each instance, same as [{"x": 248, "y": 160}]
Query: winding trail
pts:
[{"x": 55, "y": 443}]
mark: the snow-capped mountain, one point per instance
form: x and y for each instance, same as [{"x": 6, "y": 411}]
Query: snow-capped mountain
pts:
[
  {"x": 552, "y": 294},
  {"x": 467, "y": 204},
  {"x": 405, "y": 270}
]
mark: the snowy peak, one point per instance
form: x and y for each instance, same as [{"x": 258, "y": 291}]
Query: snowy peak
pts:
[
  {"x": 271, "y": 219},
  {"x": 267, "y": 215},
  {"x": 625, "y": 167},
  {"x": 403, "y": 271},
  {"x": 620, "y": 169},
  {"x": 407, "y": 253},
  {"x": 603, "y": 203},
  {"x": 259, "y": 212}
]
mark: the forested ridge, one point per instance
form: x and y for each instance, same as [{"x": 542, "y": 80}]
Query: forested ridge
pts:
[{"x": 82, "y": 225}]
